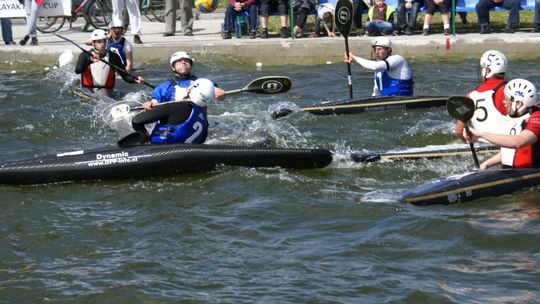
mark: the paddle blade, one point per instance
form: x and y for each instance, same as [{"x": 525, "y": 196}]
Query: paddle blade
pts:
[
  {"x": 269, "y": 85},
  {"x": 461, "y": 108},
  {"x": 120, "y": 110},
  {"x": 280, "y": 113},
  {"x": 343, "y": 16}
]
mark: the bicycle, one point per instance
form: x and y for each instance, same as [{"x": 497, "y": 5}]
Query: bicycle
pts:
[{"x": 95, "y": 12}]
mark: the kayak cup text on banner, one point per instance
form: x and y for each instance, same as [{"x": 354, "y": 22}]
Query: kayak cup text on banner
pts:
[{"x": 15, "y": 9}]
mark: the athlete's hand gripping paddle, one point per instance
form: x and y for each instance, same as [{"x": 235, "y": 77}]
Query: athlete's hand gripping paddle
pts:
[
  {"x": 343, "y": 18},
  {"x": 462, "y": 108}
]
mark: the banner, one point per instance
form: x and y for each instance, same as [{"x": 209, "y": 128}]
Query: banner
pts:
[{"x": 14, "y": 9}]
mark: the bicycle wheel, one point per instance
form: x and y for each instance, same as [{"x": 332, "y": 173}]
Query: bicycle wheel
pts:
[
  {"x": 49, "y": 24},
  {"x": 98, "y": 13},
  {"x": 156, "y": 8}
]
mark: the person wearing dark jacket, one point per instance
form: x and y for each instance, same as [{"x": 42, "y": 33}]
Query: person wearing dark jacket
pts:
[{"x": 98, "y": 67}]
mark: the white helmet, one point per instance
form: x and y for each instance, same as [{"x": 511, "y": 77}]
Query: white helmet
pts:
[
  {"x": 202, "y": 91},
  {"x": 116, "y": 23},
  {"x": 180, "y": 55},
  {"x": 523, "y": 90},
  {"x": 98, "y": 34},
  {"x": 381, "y": 41},
  {"x": 495, "y": 61}
]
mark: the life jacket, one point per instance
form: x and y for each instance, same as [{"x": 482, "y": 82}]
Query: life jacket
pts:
[
  {"x": 98, "y": 75},
  {"x": 118, "y": 48},
  {"x": 486, "y": 116},
  {"x": 372, "y": 13},
  {"x": 525, "y": 157},
  {"x": 193, "y": 130},
  {"x": 389, "y": 86}
]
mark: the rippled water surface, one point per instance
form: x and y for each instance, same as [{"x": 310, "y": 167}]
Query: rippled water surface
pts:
[{"x": 241, "y": 235}]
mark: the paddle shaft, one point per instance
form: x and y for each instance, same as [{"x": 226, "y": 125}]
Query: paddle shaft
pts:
[
  {"x": 473, "y": 151},
  {"x": 100, "y": 59},
  {"x": 346, "y": 36}
]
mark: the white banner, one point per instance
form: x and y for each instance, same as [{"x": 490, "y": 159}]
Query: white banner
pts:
[
  {"x": 11, "y": 9},
  {"x": 14, "y": 9}
]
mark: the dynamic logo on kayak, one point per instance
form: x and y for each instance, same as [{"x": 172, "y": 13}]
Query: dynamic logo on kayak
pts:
[
  {"x": 272, "y": 86},
  {"x": 112, "y": 158}
]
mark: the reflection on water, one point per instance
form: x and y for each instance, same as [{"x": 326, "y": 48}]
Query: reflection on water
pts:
[{"x": 338, "y": 234}]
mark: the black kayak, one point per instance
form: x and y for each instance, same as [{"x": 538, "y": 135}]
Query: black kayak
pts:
[
  {"x": 109, "y": 163},
  {"x": 473, "y": 185},
  {"x": 369, "y": 104}
]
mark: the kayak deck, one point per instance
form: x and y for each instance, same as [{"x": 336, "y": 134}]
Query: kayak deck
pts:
[
  {"x": 473, "y": 185},
  {"x": 376, "y": 103},
  {"x": 154, "y": 160}
]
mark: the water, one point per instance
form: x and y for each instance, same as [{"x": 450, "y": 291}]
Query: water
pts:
[{"x": 242, "y": 235}]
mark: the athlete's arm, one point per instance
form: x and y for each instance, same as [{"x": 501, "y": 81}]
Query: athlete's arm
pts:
[
  {"x": 520, "y": 140},
  {"x": 82, "y": 63},
  {"x": 492, "y": 161}
]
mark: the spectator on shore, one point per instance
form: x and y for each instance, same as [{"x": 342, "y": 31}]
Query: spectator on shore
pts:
[
  {"x": 301, "y": 10},
  {"x": 482, "y": 10},
  {"x": 536, "y": 28},
  {"x": 32, "y": 8},
  {"x": 444, "y": 8},
  {"x": 325, "y": 15},
  {"x": 7, "y": 33},
  {"x": 380, "y": 19},
  {"x": 359, "y": 6},
  {"x": 134, "y": 13},
  {"x": 236, "y": 7},
  {"x": 282, "y": 8},
  {"x": 408, "y": 8},
  {"x": 186, "y": 17}
]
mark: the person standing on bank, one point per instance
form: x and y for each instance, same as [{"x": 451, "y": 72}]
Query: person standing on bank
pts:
[
  {"x": 393, "y": 76},
  {"x": 32, "y": 8},
  {"x": 97, "y": 76},
  {"x": 186, "y": 17},
  {"x": 184, "y": 121},
  {"x": 520, "y": 147},
  {"x": 134, "y": 13},
  {"x": 7, "y": 32}
]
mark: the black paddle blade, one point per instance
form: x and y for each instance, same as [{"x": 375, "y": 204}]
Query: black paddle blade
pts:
[
  {"x": 343, "y": 17},
  {"x": 460, "y": 107},
  {"x": 280, "y": 113},
  {"x": 269, "y": 85}
]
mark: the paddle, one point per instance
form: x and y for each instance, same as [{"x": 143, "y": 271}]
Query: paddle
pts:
[
  {"x": 343, "y": 18},
  {"x": 462, "y": 108},
  {"x": 104, "y": 61},
  {"x": 263, "y": 85}
]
